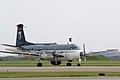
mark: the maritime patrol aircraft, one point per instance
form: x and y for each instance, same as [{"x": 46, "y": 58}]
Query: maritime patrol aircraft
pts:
[{"x": 53, "y": 52}]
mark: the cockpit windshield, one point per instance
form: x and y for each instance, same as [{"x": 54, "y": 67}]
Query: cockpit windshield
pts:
[{"x": 74, "y": 47}]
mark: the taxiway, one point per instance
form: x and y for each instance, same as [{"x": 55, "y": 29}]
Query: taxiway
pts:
[
  {"x": 61, "y": 69},
  {"x": 65, "y": 78}
]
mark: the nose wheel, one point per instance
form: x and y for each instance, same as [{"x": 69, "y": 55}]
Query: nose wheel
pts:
[
  {"x": 39, "y": 64},
  {"x": 68, "y": 64},
  {"x": 78, "y": 64}
]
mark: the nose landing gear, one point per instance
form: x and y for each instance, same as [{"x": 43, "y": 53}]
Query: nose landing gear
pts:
[{"x": 79, "y": 62}]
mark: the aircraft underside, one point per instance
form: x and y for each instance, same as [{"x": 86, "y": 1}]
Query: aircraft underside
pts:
[{"x": 58, "y": 61}]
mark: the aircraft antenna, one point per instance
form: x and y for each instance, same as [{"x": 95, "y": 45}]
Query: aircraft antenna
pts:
[{"x": 70, "y": 40}]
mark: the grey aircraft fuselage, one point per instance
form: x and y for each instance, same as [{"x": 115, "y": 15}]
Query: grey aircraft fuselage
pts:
[{"x": 69, "y": 51}]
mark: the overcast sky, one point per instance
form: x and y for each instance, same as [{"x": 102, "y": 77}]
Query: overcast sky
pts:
[{"x": 93, "y": 22}]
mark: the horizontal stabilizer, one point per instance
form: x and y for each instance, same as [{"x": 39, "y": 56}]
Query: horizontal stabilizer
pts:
[{"x": 8, "y": 45}]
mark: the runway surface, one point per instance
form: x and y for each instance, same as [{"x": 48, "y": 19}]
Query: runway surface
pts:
[
  {"x": 61, "y": 69},
  {"x": 65, "y": 78}
]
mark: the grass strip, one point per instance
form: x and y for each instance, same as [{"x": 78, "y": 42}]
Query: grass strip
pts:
[
  {"x": 53, "y": 74},
  {"x": 47, "y": 63}
]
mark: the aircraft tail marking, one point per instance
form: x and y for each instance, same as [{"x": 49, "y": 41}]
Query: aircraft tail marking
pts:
[{"x": 20, "y": 40}]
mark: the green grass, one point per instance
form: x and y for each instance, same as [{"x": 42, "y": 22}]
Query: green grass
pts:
[
  {"x": 53, "y": 74},
  {"x": 91, "y": 61},
  {"x": 99, "y": 58},
  {"x": 47, "y": 63},
  {"x": 102, "y": 63}
]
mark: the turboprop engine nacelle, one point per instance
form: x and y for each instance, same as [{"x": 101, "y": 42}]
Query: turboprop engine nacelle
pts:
[
  {"x": 81, "y": 54},
  {"x": 45, "y": 55}
]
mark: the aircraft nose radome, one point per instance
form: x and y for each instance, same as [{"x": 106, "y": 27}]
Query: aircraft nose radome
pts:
[{"x": 20, "y": 25}]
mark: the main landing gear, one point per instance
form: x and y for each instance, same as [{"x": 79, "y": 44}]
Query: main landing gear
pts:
[
  {"x": 55, "y": 62},
  {"x": 69, "y": 63},
  {"x": 39, "y": 64}
]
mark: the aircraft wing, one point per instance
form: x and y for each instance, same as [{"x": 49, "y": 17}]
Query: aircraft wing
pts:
[
  {"x": 97, "y": 52},
  {"x": 34, "y": 53},
  {"x": 111, "y": 50},
  {"x": 58, "y": 55},
  {"x": 22, "y": 53}
]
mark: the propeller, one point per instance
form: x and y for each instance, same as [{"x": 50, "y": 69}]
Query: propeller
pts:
[
  {"x": 84, "y": 53},
  {"x": 54, "y": 48},
  {"x": 54, "y": 53}
]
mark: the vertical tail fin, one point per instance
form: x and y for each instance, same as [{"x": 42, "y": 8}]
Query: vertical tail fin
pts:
[{"x": 20, "y": 40}]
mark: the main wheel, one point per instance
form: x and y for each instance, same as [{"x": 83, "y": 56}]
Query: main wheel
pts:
[
  {"x": 78, "y": 64},
  {"x": 56, "y": 63},
  {"x": 68, "y": 64},
  {"x": 39, "y": 64}
]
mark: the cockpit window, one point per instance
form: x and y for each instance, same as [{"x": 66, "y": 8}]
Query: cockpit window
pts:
[{"x": 74, "y": 47}]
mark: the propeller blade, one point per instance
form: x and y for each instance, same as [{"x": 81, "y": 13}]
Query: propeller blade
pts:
[
  {"x": 84, "y": 48},
  {"x": 84, "y": 53},
  {"x": 54, "y": 53}
]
